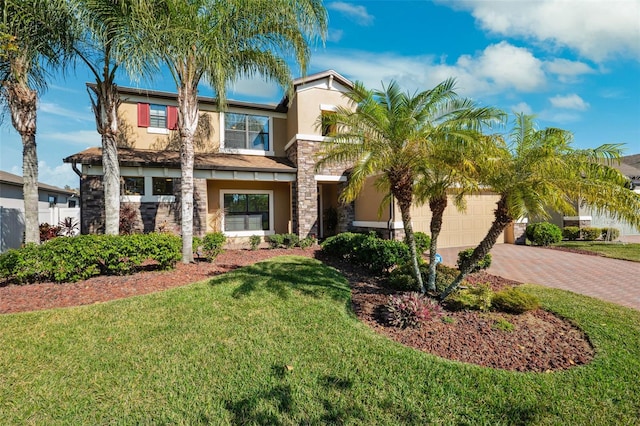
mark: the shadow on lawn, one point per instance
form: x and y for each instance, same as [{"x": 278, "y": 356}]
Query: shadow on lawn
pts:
[
  {"x": 277, "y": 405},
  {"x": 299, "y": 274}
]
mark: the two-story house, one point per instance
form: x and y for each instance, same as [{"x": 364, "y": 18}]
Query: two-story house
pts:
[{"x": 255, "y": 171}]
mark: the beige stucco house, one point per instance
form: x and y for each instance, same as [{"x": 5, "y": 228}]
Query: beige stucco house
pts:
[{"x": 254, "y": 171}]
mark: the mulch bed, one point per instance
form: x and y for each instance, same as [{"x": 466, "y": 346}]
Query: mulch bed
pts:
[{"x": 540, "y": 340}]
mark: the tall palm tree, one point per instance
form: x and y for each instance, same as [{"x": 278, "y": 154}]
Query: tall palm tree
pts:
[
  {"x": 35, "y": 39},
  {"x": 217, "y": 42},
  {"x": 539, "y": 170},
  {"x": 393, "y": 135},
  {"x": 450, "y": 168},
  {"x": 107, "y": 43}
]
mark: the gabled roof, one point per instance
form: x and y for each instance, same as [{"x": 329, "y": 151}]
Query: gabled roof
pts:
[
  {"x": 322, "y": 75},
  {"x": 11, "y": 179},
  {"x": 129, "y": 157}
]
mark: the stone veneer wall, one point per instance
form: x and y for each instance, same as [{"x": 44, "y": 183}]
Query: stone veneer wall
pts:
[
  {"x": 305, "y": 190},
  {"x": 150, "y": 216},
  {"x": 579, "y": 223}
]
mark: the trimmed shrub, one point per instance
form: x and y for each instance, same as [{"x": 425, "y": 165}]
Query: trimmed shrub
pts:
[
  {"x": 503, "y": 325},
  {"x": 307, "y": 242},
  {"x": 422, "y": 242},
  {"x": 379, "y": 255},
  {"x": 474, "y": 299},
  {"x": 254, "y": 241},
  {"x": 571, "y": 233},
  {"x": 290, "y": 240},
  {"x": 591, "y": 233},
  {"x": 197, "y": 246},
  {"x": 342, "y": 245},
  {"x": 610, "y": 234},
  {"x": 514, "y": 301},
  {"x": 465, "y": 255},
  {"x": 212, "y": 245},
  {"x": 543, "y": 233},
  {"x": 276, "y": 241},
  {"x": 411, "y": 310},
  {"x": 401, "y": 278},
  {"x": 83, "y": 256}
]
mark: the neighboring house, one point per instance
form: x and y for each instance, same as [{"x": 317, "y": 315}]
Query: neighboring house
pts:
[
  {"x": 586, "y": 216},
  {"x": 254, "y": 171},
  {"x": 54, "y": 204}
]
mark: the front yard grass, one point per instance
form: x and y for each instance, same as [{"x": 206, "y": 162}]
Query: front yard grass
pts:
[
  {"x": 626, "y": 251},
  {"x": 276, "y": 343}
]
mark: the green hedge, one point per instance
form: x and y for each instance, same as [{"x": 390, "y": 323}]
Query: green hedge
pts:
[
  {"x": 68, "y": 259},
  {"x": 374, "y": 253},
  {"x": 543, "y": 233}
]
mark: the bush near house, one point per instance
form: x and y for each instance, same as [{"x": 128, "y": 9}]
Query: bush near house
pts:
[
  {"x": 212, "y": 245},
  {"x": 367, "y": 250},
  {"x": 465, "y": 255},
  {"x": 590, "y": 233},
  {"x": 610, "y": 234},
  {"x": 571, "y": 233},
  {"x": 423, "y": 241},
  {"x": 543, "y": 233},
  {"x": 84, "y": 256},
  {"x": 401, "y": 278}
]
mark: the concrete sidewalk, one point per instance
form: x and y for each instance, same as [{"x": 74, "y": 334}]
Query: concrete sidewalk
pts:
[{"x": 613, "y": 280}]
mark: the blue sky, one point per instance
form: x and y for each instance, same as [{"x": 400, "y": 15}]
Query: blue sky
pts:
[{"x": 575, "y": 64}]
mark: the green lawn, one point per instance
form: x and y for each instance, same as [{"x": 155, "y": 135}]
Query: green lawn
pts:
[
  {"x": 218, "y": 352},
  {"x": 626, "y": 251}
]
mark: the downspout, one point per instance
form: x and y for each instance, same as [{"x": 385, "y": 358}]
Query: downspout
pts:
[
  {"x": 391, "y": 220},
  {"x": 74, "y": 167}
]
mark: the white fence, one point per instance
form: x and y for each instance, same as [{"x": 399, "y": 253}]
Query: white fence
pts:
[{"x": 12, "y": 223}]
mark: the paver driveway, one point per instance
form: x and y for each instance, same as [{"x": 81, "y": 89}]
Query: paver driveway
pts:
[{"x": 614, "y": 280}]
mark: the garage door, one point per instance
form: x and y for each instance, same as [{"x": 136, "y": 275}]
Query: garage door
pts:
[{"x": 460, "y": 229}]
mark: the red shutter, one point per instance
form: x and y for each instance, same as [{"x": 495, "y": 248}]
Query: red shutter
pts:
[
  {"x": 143, "y": 115},
  {"x": 172, "y": 118}
]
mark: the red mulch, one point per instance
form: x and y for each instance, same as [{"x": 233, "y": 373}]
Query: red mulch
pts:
[{"x": 539, "y": 342}]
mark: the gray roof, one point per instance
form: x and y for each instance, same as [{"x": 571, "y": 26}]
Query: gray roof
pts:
[
  {"x": 630, "y": 166},
  {"x": 11, "y": 179}
]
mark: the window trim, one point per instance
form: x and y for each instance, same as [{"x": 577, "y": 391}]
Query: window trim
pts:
[
  {"x": 245, "y": 150},
  {"x": 269, "y": 231},
  {"x": 148, "y": 196}
]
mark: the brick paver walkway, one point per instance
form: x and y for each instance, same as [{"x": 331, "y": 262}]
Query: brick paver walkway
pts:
[{"x": 616, "y": 281}]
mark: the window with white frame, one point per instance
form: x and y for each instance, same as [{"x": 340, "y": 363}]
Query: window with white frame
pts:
[
  {"x": 158, "y": 116},
  {"x": 245, "y": 131},
  {"x": 247, "y": 212},
  {"x": 132, "y": 185}
]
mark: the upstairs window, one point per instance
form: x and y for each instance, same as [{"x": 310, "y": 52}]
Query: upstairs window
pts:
[
  {"x": 244, "y": 131},
  {"x": 328, "y": 123},
  {"x": 155, "y": 116}
]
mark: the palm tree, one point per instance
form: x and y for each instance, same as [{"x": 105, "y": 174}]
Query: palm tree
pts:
[
  {"x": 35, "y": 38},
  {"x": 393, "y": 135},
  {"x": 106, "y": 43},
  {"x": 450, "y": 166},
  {"x": 539, "y": 170},
  {"x": 217, "y": 42}
]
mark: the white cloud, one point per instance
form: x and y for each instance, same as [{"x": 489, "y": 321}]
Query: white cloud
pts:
[
  {"x": 499, "y": 68},
  {"x": 522, "y": 107},
  {"x": 571, "y": 101},
  {"x": 568, "y": 71},
  {"x": 597, "y": 29},
  {"x": 57, "y": 176},
  {"x": 253, "y": 88},
  {"x": 358, "y": 14},
  {"x": 55, "y": 109},
  {"x": 334, "y": 35},
  {"x": 80, "y": 137}
]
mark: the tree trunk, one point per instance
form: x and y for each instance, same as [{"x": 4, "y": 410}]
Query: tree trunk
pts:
[
  {"x": 402, "y": 189},
  {"x": 437, "y": 206},
  {"x": 23, "y": 106},
  {"x": 187, "y": 124},
  {"x": 104, "y": 101},
  {"x": 502, "y": 219}
]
